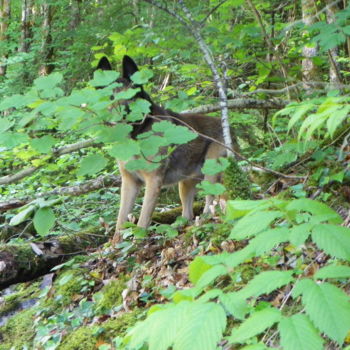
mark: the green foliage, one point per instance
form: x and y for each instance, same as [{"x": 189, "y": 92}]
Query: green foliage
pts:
[{"x": 271, "y": 222}]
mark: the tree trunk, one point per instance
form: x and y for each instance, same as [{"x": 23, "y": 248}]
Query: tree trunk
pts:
[
  {"x": 46, "y": 46},
  {"x": 75, "y": 14},
  {"x": 334, "y": 69},
  {"x": 309, "y": 69},
  {"x": 5, "y": 13},
  {"x": 26, "y": 25}
]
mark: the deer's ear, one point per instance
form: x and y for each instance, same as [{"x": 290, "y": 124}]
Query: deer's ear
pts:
[
  {"x": 104, "y": 64},
  {"x": 129, "y": 67}
]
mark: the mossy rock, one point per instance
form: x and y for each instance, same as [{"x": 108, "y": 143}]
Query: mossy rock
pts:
[{"x": 18, "y": 331}]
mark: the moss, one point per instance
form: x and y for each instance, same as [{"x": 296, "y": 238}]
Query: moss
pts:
[
  {"x": 236, "y": 182},
  {"x": 18, "y": 331},
  {"x": 118, "y": 326},
  {"x": 66, "y": 286},
  {"x": 110, "y": 295},
  {"x": 81, "y": 339}
]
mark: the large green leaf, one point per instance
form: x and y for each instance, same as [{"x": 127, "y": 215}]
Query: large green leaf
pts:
[
  {"x": 44, "y": 220},
  {"x": 334, "y": 240},
  {"x": 254, "y": 223},
  {"x": 255, "y": 324},
  {"x": 23, "y": 215},
  {"x": 184, "y": 326},
  {"x": 333, "y": 271},
  {"x": 327, "y": 306},
  {"x": 297, "y": 332},
  {"x": 266, "y": 282},
  {"x": 124, "y": 150},
  {"x": 43, "y": 144},
  {"x": 104, "y": 78},
  {"x": 91, "y": 164}
]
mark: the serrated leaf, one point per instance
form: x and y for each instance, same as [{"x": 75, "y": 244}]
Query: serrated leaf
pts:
[
  {"x": 174, "y": 134},
  {"x": 297, "y": 332},
  {"x": 48, "y": 82},
  {"x": 334, "y": 240},
  {"x": 43, "y": 144},
  {"x": 337, "y": 118},
  {"x": 126, "y": 94},
  {"x": 14, "y": 101},
  {"x": 235, "y": 304},
  {"x": 298, "y": 234},
  {"x": 12, "y": 139},
  {"x": 91, "y": 164},
  {"x": 208, "y": 188},
  {"x": 239, "y": 208},
  {"x": 255, "y": 324},
  {"x": 333, "y": 271},
  {"x": 268, "y": 239},
  {"x": 316, "y": 208},
  {"x": 266, "y": 282},
  {"x": 254, "y": 223},
  {"x": 327, "y": 306},
  {"x": 138, "y": 110},
  {"x": 44, "y": 220},
  {"x": 184, "y": 326}
]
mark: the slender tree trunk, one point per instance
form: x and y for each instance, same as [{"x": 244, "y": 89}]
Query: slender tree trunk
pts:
[
  {"x": 5, "y": 13},
  {"x": 309, "y": 69},
  {"x": 75, "y": 7},
  {"x": 26, "y": 25},
  {"x": 334, "y": 69},
  {"x": 46, "y": 46}
]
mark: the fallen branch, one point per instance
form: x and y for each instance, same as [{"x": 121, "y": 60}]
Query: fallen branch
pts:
[
  {"x": 102, "y": 181},
  {"x": 241, "y": 103},
  {"x": 8, "y": 179}
]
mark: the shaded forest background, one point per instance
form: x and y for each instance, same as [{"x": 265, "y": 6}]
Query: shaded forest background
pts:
[{"x": 277, "y": 73}]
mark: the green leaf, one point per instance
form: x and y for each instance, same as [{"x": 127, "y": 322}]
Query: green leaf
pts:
[
  {"x": 124, "y": 150},
  {"x": 126, "y": 94},
  {"x": 197, "y": 268},
  {"x": 337, "y": 118},
  {"x": 268, "y": 239},
  {"x": 299, "y": 113},
  {"x": 239, "y": 208},
  {"x": 333, "y": 271},
  {"x": 14, "y": 101},
  {"x": 43, "y": 144},
  {"x": 327, "y": 306},
  {"x": 184, "y": 326},
  {"x": 297, "y": 332},
  {"x": 174, "y": 134},
  {"x": 48, "y": 82},
  {"x": 334, "y": 240},
  {"x": 299, "y": 233},
  {"x": 91, "y": 164},
  {"x": 5, "y": 124},
  {"x": 255, "y": 324},
  {"x": 141, "y": 77},
  {"x": 316, "y": 208},
  {"x": 235, "y": 304},
  {"x": 211, "y": 275},
  {"x": 265, "y": 282},
  {"x": 119, "y": 132},
  {"x": 208, "y": 188},
  {"x": 214, "y": 166},
  {"x": 254, "y": 223},
  {"x": 104, "y": 78},
  {"x": 44, "y": 220},
  {"x": 12, "y": 139},
  {"x": 23, "y": 215},
  {"x": 138, "y": 110}
]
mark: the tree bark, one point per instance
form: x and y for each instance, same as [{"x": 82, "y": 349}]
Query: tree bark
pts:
[
  {"x": 309, "y": 69},
  {"x": 26, "y": 25},
  {"x": 334, "y": 69},
  {"x": 47, "y": 49},
  {"x": 5, "y": 14}
]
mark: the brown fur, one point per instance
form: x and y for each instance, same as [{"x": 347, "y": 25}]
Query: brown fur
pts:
[{"x": 183, "y": 166}]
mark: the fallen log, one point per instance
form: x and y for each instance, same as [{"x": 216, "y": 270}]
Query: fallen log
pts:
[{"x": 27, "y": 261}]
